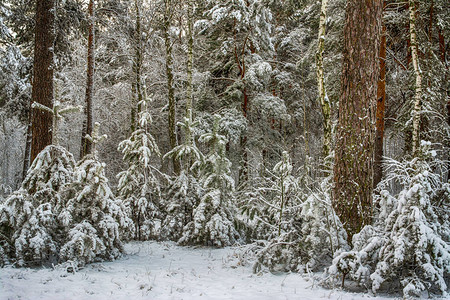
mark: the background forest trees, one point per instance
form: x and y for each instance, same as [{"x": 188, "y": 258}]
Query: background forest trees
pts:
[{"x": 210, "y": 106}]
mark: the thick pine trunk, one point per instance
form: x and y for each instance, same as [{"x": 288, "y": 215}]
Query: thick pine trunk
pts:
[
  {"x": 42, "y": 91},
  {"x": 353, "y": 170},
  {"x": 170, "y": 88},
  {"x": 86, "y": 145},
  {"x": 381, "y": 108}
]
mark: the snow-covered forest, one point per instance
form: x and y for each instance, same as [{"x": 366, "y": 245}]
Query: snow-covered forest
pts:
[{"x": 288, "y": 149}]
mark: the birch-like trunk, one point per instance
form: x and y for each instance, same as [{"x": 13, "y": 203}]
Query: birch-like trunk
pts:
[
  {"x": 418, "y": 76},
  {"x": 323, "y": 98}
]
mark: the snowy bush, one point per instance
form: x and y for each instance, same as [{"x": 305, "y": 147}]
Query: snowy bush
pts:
[
  {"x": 61, "y": 212},
  {"x": 310, "y": 236},
  {"x": 408, "y": 243},
  {"x": 52, "y": 168},
  {"x": 138, "y": 186},
  {"x": 322, "y": 232},
  {"x": 28, "y": 217},
  {"x": 93, "y": 216}
]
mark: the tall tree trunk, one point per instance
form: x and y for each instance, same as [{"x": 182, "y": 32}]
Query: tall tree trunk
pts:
[
  {"x": 190, "y": 59},
  {"x": 353, "y": 169},
  {"x": 42, "y": 91},
  {"x": 170, "y": 88},
  {"x": 86, "y": 145},
  {"x": 381, "y": 105},
  {"x": 323, "y": 98},
  {"x": 418, "y": 76},
  {"x": 137, "y": 68}
]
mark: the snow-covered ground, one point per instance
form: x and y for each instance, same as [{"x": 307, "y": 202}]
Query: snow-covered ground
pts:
[{"x": 153, "y": 270}]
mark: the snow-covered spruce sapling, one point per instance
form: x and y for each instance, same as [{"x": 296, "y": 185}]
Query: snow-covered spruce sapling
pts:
[
  {"x": 322, "y": 233},
  {"x": 94, "y": 217},
  {"x": 276, "y": 208},
  {"x": 184, "y": 190},
  {"x": 29, "y": 226},
  {"x": 139, "y": 186},
  {"x": 267, "y": 205},
  {"x": 311, "y": 231},
  {"x": 408, "y": 243},
  {"x": 213, "y": 217}
]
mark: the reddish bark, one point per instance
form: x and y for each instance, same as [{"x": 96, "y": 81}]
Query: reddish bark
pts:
[
  {"x": 353, "y": 168},
  {"x": 381, "y": 107}
]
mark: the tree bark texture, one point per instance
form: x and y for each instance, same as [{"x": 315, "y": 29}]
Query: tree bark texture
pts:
[
  {"x": 88, "y": 123},
  {"x": 42, "y": 91},
  {"x": 381, "y": 108},
  {"x": 170, "y": 88},
  {"x": 353, "y": 169},
  {"x": 323, "y": 98},
  {"x": 418, "y": 76}
]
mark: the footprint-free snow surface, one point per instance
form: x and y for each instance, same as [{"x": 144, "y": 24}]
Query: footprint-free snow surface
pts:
[{"x": 153, "y": 270}]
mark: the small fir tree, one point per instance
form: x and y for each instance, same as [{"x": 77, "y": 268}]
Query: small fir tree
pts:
[
  {"x": 29, "y": 226},
  {"x": 213, "y": 218},
  {"x": 94, "y": 217},
  {"x": 184, "y": 191},
  {"x": 138, "y": 186}
]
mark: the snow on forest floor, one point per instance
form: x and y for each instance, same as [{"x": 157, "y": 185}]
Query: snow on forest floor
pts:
[{"x": 152, "y": 270}]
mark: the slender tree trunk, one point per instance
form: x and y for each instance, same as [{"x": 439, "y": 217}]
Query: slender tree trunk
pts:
[
  {"x": 442, "y": 47},
  {"x": 323, "y": 98},
  {"x": 42, "y": 91},
  {"x": 190, "y": 59},
  {"x": 88, "y": 124},
  {"x": 418, "y": 76},
  {"x": 353, "y": 169},
  {"x": 29, "y": 137},
  {"x": 381, "y": 107},
  {"x": 137, "y": 68},
  {"x": 170, "y": 88}
]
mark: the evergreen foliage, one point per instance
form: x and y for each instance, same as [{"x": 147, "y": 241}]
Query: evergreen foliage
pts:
[
  {"x": 408, "y": 243},
  {"x": 139, "y": 186},
  {"x": 213, "y": 218},
  {"x": 184, "y": 191},
  {"x": 62, "y": 212}
]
